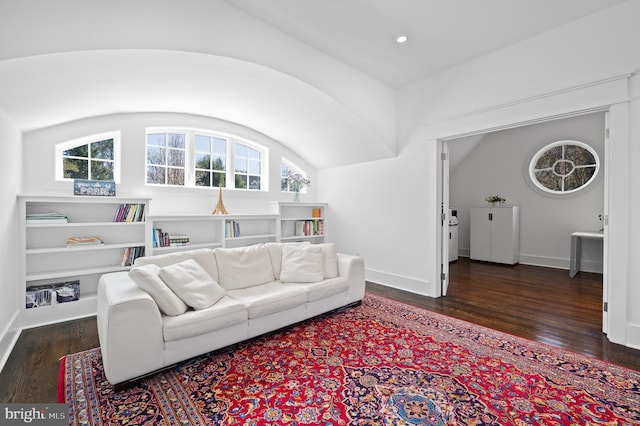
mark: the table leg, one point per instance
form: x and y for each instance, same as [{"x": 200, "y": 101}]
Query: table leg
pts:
[{"x": 574, "y": 261}]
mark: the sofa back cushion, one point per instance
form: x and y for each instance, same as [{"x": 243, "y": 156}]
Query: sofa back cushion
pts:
[
  {"x": 301, "y": 264},
  {"x": 275, "y": 254},
  {"x": 204, "y": 257},
  {"x": 243, "y": 267},
  {"x": 146, "y": 277}
]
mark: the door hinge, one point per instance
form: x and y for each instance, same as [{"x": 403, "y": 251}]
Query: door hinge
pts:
[
  {"x": 443, "y": 276},
  {"x": 443, "y": 216},
  {"x": 606, "y": 133},
  {"x": 605, "y": 306},
  {"x": 443, "y": 156}
]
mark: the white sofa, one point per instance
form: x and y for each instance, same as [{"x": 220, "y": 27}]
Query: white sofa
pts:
[{"x": 157, "y": 314}]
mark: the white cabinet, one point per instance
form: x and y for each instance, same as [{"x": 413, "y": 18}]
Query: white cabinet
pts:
[
  {"x": 495, "y": 234},
  {"x": 51, "y": 261},
  {"x": 301, "y": 221}
]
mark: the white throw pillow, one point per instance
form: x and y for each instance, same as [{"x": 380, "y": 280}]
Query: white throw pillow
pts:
[
  {"x": 330, "y": 260},
  {"x": 146, "y": 277},
  {"x": 301, "y": 264},
  {"x": 192, "y": 284},
  {"x": 243, "y": 267}
]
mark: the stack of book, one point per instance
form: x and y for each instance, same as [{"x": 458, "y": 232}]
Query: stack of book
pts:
[
  {"x": 83, "y": 241},
  {"x": 163, "y": 239},
  {"x": 131, "y": 254},
  {"x": 38, "y": 218}
]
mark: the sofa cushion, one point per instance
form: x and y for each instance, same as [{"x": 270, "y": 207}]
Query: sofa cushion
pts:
[
  {"x": 192, "y": 284},
  {"x": 275, "y": 253},
  {"x": 146, "y": 277},
  {"x": 203, "y": 256},
  {"x": 302, "y": 264},
  {"x": 322, "y": 289},
  {"x": 225, "y": 313},
  {"x": 243, "y": 267},
  {"x": 330, "y": 260},
  {"x": 269, "y": 298}
]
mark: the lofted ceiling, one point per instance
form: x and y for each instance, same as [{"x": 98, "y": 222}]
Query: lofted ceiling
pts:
[{"x": 318, "y": 76}]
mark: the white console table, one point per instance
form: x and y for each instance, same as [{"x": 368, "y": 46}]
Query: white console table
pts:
[{"x": 576, "y": 246}]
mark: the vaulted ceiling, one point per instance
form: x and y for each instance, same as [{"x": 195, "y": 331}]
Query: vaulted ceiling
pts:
[{"x": 318, "y": 76}]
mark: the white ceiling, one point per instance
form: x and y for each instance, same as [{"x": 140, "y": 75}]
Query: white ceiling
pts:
[{"x": 442, "y": 33}]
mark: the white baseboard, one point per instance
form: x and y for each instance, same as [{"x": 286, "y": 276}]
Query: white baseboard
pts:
[
  {"x": 8, "y": 339},
  {"x": 633, "y": 336},
  {"x": 550, "y": 262},
  {"x": 401, "y": 282}
]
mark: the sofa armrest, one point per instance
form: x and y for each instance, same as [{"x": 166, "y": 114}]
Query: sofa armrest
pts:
[
  {"x": 129, "y": 329},
  {"x": 352, "y": 267}
]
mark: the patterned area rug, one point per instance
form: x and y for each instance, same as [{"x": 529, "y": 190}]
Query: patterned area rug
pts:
[{"x": 380, "y": 363}]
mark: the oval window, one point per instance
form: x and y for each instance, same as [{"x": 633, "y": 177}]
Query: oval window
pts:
[{"x": 564, "y": 166}]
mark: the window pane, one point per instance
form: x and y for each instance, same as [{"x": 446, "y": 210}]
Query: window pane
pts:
[
  {"x": 241, "y": 181},
  {"x": 579, "y": 155},
  {"x": 176, "y": 140},
  {"x": 175, "y": 157},
  {"x": 75, "y": 168},
  {"x": 203, "y": 178},
  {"x": 155, "y": 175},
  {"x": 203, "y": 161},
  {"x": 241, "y": 150},
  {"x": 254, "y": 167},
  {"x": 102, "y": 170},
  {"x": 203, "y": 143},
  {"x": 78, "y": 151},
  {"x": 102, "y": 149},
  {"x": 175, "y": 176},
  {"x": 253, "y": 154},
  {"x": 219, "y": 179},
  {"x": 241, "y": 165},
  {"x": 219, "y": 146},
  {"x": 254, "y": 182},
  {"x": 549, "y": 180},
  {"x": 284, "y": 185},
  {"x": 156, "y": 155},
  {"x": 157, "y": 139},
  {"x": 218, "y": 164}
]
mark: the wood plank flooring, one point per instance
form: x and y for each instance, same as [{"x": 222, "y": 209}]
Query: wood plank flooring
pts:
[{"x": 536, "y": 303}]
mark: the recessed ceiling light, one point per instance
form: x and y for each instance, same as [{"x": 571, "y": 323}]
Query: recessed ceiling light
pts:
[{"x": 402, "y": 39}]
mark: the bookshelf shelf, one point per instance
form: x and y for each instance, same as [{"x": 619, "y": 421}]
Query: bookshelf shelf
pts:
[
  {"x": 301, "y": 221},
  {"x": 49, "y": 263}
]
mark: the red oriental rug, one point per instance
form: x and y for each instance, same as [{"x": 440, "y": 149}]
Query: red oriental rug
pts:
[{"x": 380, "y": 363}]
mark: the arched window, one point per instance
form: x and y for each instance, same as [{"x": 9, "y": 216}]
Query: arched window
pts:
[
  {"x": 94, "y": 157},
  {"x": 564, "y": 166},
  {"x": 287, "y": 170}
]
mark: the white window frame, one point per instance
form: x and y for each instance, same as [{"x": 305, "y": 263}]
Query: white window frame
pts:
[
  {"x": 544, "y": 149},
  {"x": 190, "y": 169},
  {"x": 85, "y": 140}
]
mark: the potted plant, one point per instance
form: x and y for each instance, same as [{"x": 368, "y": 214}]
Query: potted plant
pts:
[
  {"x": 295, "y": 182},
  {"x": 495, "y": 200}
]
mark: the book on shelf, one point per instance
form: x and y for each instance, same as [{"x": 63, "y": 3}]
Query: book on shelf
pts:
[
  {"x": 130, "y": 254},
  {"x": 316, "y": 212},
  {"x": 232, "y": 229},
  {"x": 163, "y": 239},
  {"x": 129, "y": 212},
  {"x": 83, "y": 241},
  {"x": 306, "y": 228},
  {"x": 51, "y": 217}
]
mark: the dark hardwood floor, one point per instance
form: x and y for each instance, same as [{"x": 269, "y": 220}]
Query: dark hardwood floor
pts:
[{"x": 537, "y": 303}]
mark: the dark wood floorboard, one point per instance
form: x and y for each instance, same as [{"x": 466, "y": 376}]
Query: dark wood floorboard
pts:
[{"x": 537, "y": 303}]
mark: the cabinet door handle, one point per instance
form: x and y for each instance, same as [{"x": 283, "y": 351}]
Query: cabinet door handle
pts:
[{"x": 490, "y": 216}]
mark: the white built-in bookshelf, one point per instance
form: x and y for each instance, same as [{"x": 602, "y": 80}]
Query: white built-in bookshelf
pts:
[
  {"x": 301, "y": 221},
  {"x": 112, "y": 230},
  {"x": 211, "y": 231}
]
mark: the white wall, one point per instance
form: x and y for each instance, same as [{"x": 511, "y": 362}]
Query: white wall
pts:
[
  {"x": 38, "y": 172},
  {"x": 9, "y": 253},
  {"x": 543, "y": 76},
  {"x": 499, "y": 165}
]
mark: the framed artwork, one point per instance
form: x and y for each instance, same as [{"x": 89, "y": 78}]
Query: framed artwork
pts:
[{"x": 99, "y": 188}]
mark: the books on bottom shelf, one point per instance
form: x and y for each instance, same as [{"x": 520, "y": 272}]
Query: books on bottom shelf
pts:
[
  {"x": 163, "y": 239},
  {"x": 51, "y": 294},
  {"x": 306, "y": 228},
  {"x": 130, "y": 254}
]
